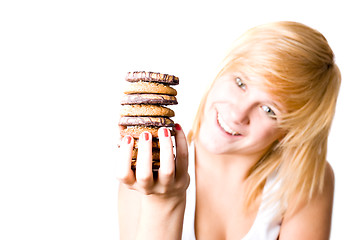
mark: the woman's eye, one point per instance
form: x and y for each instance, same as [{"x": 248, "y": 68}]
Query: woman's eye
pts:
[
  {"x": 268, "y": 111},
  {"x": 240, "y": 83}
]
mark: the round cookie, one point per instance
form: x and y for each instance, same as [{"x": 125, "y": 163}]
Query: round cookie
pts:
[
  {"x": 149, "y": 87},
  {"x": 152, "y": 77},
  {"x": 147, "y": 98},
  {"x": 135, "y": 131},
  {"x": 146, "y": 121},
  {"x": 146, "y": 110}
]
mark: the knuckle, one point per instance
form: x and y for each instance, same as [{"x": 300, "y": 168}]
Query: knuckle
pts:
[
  {"x": 167, "y": 173},
  {"x": 187, "y": 179},
  {"x": 163, "y": 190},
  {"x": 145, "y": 191},
  {"x": 184, "y": 181},
  {"x": 148, "y": 192},
  {"x": 145, "y": 181},
  {"x": 144, "y": 178},
  {"x": 125, "y": 178},
  {"x": 181, "y": 155}
]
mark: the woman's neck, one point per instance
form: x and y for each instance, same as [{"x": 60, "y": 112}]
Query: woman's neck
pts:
[{"x": 232, "y": 165}]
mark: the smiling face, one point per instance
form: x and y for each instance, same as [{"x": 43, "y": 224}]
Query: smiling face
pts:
[{"x": 239, "y": 117}]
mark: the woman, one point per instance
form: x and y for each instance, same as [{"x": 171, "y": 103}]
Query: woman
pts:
[{"x": 257, "y": 149}]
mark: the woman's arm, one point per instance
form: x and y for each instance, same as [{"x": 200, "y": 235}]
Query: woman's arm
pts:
[
  {"x": 153, "y": 208},
  {"x": 312, "y": 220},
  {"x": 141, "y": 218}
]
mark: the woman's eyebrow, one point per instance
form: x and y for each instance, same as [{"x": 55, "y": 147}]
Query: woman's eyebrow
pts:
[
  {"x": 278, "y": 106},
  {"x": 241, "y": 75}
]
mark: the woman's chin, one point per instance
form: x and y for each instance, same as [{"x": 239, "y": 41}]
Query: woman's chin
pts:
[{"x": 212, "y": 144}]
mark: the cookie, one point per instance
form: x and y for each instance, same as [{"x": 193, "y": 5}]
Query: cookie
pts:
[
  {"x": 156, "y": 99},
  {"x": 146, "y": 110},
  {"x": 149, "y": 87},
  {"x": 135, "y": 131},
  {"x": 152, "y": 77},
  {"x": 146, "y": 121}
]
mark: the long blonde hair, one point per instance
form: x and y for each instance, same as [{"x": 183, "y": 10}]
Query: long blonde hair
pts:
[{"x": 298, "y": 66}]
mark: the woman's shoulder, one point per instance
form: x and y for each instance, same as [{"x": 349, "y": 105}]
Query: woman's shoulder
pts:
[
  {"x": 311, "y": 219},
  {"x": 329, "y": 174}
]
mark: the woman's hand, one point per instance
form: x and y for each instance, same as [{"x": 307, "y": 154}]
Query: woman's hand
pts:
[
  {"x": 156, "y": 211},
  {"x": 173, "y": 178}
]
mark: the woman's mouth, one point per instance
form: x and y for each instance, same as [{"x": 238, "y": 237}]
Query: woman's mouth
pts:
[{"x": 225, "y": 127}]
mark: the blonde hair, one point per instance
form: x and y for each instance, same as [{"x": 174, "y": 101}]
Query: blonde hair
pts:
[{"x": 298, "y": 66}]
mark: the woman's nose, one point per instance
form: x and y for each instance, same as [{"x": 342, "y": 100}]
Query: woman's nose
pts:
[{"x": 241, "y": 111}]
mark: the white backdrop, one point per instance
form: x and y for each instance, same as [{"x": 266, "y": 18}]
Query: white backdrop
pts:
[{"x": 62, "y": 64}]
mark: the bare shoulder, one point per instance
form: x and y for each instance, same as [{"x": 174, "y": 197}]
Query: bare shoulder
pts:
[
  {"x": 329, "y": 174},
  {"x": 313, "y": 219},
  {"x": 129, "y": 211}
]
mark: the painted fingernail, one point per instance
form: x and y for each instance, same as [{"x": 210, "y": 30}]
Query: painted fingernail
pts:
[
  {"x": 146, "y": 136},
  {"x": 166, "y": 132},
  {"x": 127, "y": 139},
  {"x": 177, "y": 127}
]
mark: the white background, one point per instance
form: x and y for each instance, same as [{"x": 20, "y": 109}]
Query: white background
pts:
[{"x": 62, "y": 64}]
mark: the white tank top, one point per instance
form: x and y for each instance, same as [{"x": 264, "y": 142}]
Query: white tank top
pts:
[{"x": 267, "y": 222}]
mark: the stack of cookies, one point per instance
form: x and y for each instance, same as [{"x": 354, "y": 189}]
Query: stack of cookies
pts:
[{"x": 143, "y": 108}]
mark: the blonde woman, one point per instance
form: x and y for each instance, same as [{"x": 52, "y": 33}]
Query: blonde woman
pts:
[{"x": 257, "y": 149}]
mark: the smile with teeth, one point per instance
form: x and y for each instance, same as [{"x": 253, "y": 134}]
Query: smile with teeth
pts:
[{"x": 225, "y": 127}]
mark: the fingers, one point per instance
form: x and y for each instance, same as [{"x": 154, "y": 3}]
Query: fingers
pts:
[
  {"x": 172, "y": 175},
  {"x": 144, "y": 175},
  {"x": 167, "y": 163},
  {"x": 121, "y": 128},
  {"x": 124, "y": 172},
  {"x": 142, "y": 179},
  {"x": 181, "y": 151}
]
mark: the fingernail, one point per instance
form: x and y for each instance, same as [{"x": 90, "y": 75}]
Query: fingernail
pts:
[
  {"x": 127, "y": 139},
  {"x": 166, "y": 132},
  {"x": 177, "y": 127},
  {"x": 146, "y": 136}
]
